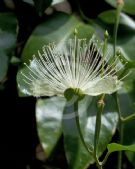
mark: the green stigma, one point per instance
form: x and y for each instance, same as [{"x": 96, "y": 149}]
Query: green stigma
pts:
[{"x": 74, "y": 92}]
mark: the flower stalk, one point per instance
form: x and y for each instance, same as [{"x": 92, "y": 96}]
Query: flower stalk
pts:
[
  {"x": 104, "y": 50},
  {"x": 120, "y": 4},
  {"x": 120, "y": 125},
  {"x": 89, "y": 150},
  {"x": 78, "y": 96},
  {"x": 100, "y": 107},
  {"x": 128, "y": 118}
]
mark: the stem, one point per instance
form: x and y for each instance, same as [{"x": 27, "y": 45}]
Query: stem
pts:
[
  {"x": 120, "y": 131},
  {"x": 97, "y": 129},
  {"x": 119, "y": 8},
  {"x": 128, "y": 118},
  {"x": 98, "y": 123},
  {"x": 121, "y": 141},
  {"x": 99, "y": 164},
  {"x": 89, "y": 150},
  {"x": 105, "y": 159},
  {"x": 104, "y": 51}
]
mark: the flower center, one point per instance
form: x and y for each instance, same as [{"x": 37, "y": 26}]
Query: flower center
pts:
[{"x": 72, "y": 93}]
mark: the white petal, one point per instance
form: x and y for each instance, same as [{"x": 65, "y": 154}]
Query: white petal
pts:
[
  {"x": 107, "y": 85},
  {"x": 42, "y": 88}
]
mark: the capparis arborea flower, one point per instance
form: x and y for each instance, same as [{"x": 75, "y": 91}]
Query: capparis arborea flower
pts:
[{"x": 75, "y": 63}]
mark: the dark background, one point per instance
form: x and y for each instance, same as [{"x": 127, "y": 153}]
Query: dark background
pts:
[{"x": 18, "y": 134}]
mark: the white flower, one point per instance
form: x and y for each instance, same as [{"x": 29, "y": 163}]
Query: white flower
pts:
[{"x": 73, "y": 64}]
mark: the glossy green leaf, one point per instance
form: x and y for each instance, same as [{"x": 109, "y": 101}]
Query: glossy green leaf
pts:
[
  {"x": 15, "y": 61},
  {"x": 129, "y": 5},
  {"x": 77, "y": 155},
  {"x": 29, "y": 2},
  {"x": 108, "y": 18},
  {"x": 8, "y": 25},
  {"x": 49, "y": 113},
  {"x": 131, "y": 157},
  {"x": 41, "y": 5},
  {"x": 3, "y": 65},
  {"x": 127, "y": 100},
  {"x": 57, "y": 1},
  {"x": 58, "y": 28},
  {"x": 125, "y": 43},
  {"x": 126, "y": 27},
  {"x": 118, "y": 147}
]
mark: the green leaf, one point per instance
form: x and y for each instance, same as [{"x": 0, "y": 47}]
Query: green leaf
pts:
[
  {"x": 131, "y": 157},
  {"x": 127, "y": 99},
  {"x": 77, "y": 155},
  {"x": 29, "y": 2},
  {"x": 118, "y": 147},
  {"x": 15, "y": 61},
  {"x": 129, "y": 5},
  {"x": 49, "y": 113},
  {"x": 41, "y": 5},
  {"x": 8, "y": 23},
  {"x": 57, "y": 1},
  {"x": 57, "y": 29},
  {"x": 108, "y": 18},
  {"x": 125, "y": 43},
  {"x": 4, "y": 65},
  {"x": 129, "y": 128},
  {"x": 127, "y": 27},
  {"x": 8, "y": 26}
]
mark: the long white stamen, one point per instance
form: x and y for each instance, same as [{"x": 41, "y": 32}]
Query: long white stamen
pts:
[{"x": 74, "y": 64}]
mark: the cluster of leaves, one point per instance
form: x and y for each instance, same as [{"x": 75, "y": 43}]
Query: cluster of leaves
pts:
[{"x": 49, "y": 111}]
